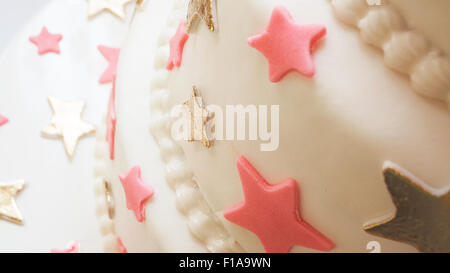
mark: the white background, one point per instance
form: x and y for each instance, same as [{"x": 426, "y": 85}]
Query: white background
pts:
[{"x": 14, "y": 15}]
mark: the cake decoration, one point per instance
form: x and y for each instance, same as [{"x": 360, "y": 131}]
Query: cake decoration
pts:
[
  {"x": 137, "y": 192},
  {"x": 3, "y": 120},
  {"x": 8, "y": 207},
  {"x": 271, "y": 212},
  {"x": 116, "y": 7},
  {"x": 196, "y": 117},
  {"x": 67, "y": 123},
  {"x": 111, "y": 120},
  {"x": 287, "y": 45},
  {"x": 177, "y": 45},
  {"x": 405, "y": 50},
  {"x": 205, "y": 10},
  {"x": 112, "y": 56},
  {"x": 122, "y": 248},
  {"x": 109, "y": 199},
  {"x": 422, "y": 216},
  {"x": 47, "y": 42},
  {"x": 72, "y": 247}
]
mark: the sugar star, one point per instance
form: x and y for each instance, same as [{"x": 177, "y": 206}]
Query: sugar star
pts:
[
  {"x": 72, "y": 247},
  {"x": 3, "y": 120},
  {"x": 137, "y": 192},
  {"x": 287, "y": 45},
  {"x": 8, "y": 207},
  {"x": 46, "y": 42},
  {"x": 422, "y": 216},
  {"x": 271, "y": 212},
  {"x": 196, "y": 116},
  {"x": 203, "y": 9},
  {"x": 112, "y": 56},
  {"x": 177, "y": 45},
  {"x": 116, "y": 7},
  {"x": 67, "y": 123}
]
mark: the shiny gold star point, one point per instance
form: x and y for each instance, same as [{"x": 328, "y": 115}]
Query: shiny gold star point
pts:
[
  {"x": 422, "y": 218},
  {"x": 205, "y": 10},
  {"x": 8, "y": 207}
]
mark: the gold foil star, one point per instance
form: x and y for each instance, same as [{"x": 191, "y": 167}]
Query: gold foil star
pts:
[
  {"x": 116, "y": 7},
  {"x": 140, "y": 2},
  {"x": 8, "y": 207},
  {"x": 203, "y": 9},
  {"x": 422, "y": 219},
  {"x": 67, "y": 123},
  {"x": 196, "y": 116}
]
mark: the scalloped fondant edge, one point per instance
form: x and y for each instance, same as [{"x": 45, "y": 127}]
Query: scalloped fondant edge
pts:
[
  {"x": 101, "y": 159},
  {"x": 405, "y": 50}
]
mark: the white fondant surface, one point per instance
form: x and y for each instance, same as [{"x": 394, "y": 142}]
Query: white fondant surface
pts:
[
  {"x": 336, "y": 130},
  {"x": 56, "y": 202}
]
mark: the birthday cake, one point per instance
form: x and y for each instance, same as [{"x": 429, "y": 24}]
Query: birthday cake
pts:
[{"x": 280, "y": 126}]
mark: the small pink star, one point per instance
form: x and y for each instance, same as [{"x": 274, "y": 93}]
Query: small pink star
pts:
[
  {"x": 287, "y": 45},
  {"x": 46, "y": 42},
  {"x": 177, "y": 45},
  {"x": 271, "y": 212},
  {"x": 136, "y": 192},
  {"x": 111, "y": 120},
  {"x": 112, "y": 56},
  {"x": 3, "y": 120},
  {"x": 73, "y": 247},
  {"x": 122, "y": 248}
]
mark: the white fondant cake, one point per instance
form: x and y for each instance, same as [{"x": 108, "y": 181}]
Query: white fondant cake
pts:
[
  {"x": 364, "y": 107},
  {"x": 56, "y": 202}
]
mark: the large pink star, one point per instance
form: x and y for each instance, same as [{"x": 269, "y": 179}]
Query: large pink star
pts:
[
  {"x": 112, "y": 56},
  {"x": 3, "y": 120},
  {"x": 136, "y": 192},
  {"x": 287, "y": 45},
  {"x": 111, "y": 120},
  {"x": 46, "y": 42},
  {"x": 271, "y": 212},
  {"x": 177, "y": 45}
]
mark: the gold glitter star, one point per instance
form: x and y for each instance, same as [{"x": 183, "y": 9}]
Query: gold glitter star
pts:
[
  {"x": 116, "y": 7},
  {"x": 203, "y": 9},
  {"x": 67, "y": 123},
  {"x": 196, "y": 116},
  {"x": 8, "y": 207},
  {"x": 422, "y": 219}
]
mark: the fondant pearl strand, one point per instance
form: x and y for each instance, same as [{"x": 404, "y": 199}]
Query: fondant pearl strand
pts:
[
  {"x": 107, "y": 228},
  {"x": 404, "y": 50}
]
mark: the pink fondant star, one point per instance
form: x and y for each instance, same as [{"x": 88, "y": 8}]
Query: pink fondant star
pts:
[
  {"x": 176, "y": 46},
  {"x": 73, "y": 247},
  {"x": 3, "y": 120},
  {"x": 111, "y": 121},
  {"x": 112, "y": 56},
  {"x": 46, "y": 42},
  {"x": 271, "y": 212},
  {"x": 122, "y": 248},
  {"x": 136, "y": 192},
  {"x": 287, "y": 45}
]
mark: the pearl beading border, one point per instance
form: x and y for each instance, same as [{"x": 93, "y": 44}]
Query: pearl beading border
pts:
[{"x": 405, "y": 50}]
